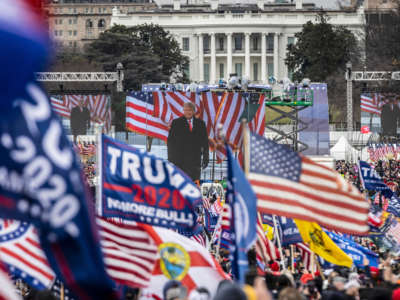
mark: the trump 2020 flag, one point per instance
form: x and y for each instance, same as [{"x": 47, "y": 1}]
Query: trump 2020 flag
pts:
[
  {"x": 291, "y": 185},
  {"x": 371, "y": 180},
  {"x": 40, "y": 177},
  {"x": 140, "y": 187},
  {"x": 243, "y": 203}
]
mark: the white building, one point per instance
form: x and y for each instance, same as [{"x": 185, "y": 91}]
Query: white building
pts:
[{"x": 248, "y": 38}]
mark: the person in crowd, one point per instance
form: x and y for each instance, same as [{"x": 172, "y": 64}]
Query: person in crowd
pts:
[{"x": 188, "y": 143}]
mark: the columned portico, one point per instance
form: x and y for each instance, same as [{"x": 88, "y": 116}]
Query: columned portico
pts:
[
  {"x": 229, "y": 54},
  {"x": 212, "y": 59},
  {"x": 263, "y": 57},
  {"x": 201, "y": 58},
  {"x": 276, "y": 55},
  {"x": 247, "y": 55}
]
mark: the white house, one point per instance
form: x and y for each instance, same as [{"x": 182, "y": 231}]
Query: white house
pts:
[{"x": 244, "y": 37}]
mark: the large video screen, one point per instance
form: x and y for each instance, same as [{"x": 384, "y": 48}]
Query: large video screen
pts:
[
  {"x": 80, "y": 112},
  {"x": 381, "y": 113}
]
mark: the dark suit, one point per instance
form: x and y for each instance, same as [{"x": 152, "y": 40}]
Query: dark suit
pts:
[
  {"x": 80, "y": 120},
  {"x": 186, "y": 147}
]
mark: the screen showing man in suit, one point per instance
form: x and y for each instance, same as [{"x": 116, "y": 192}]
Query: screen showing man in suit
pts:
[
  {"x": 80, "y": 120},
  {"x": 188, "y": 143}
]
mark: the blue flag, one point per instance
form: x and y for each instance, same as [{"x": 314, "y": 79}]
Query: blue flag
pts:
[
  {"x": 373, "y": 182},
  {"x": 243, "y": 201},
  {"x": 289, "y": 232},
  {"x": 355, "y": 251},
  {"x": 40, "y": 177},
  {"x": 140, "y": 187}
]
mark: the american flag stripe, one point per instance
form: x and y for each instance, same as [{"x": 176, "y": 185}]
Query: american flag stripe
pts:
[
  {"x": 257, "y": 125},
  {"x": 161, "y": 107},
  {"x": 61, "y": 106},
  {"x": 199, "y": 238},
  {"x": 139, "y": 118},
  {"x": 211, "y": 104},
  {"x": 265, "y": 249},
  {"x": 26, "y": 254},
  {"x": 370, "y": 104},
  {"x": 290, "y": 185},
  {"x": 306, "y": 256},
  {"x": 129, "y": 252}
]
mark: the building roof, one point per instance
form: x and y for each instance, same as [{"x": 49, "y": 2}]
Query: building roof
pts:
[{"x": 324, "y": 4}]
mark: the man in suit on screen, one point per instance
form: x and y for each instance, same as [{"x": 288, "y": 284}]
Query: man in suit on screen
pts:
[
  {"x": 188, "y": 143},
  {"x": 80, "y": 120}
]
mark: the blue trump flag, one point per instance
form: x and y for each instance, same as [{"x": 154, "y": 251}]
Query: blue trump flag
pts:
[
  {"x": 140, "y": 187},
  {"x": 289, "y": 232},
  {"x": 373, "y": 182},
  {"x": 40, "y": 177},
  {"x": 355, "y": 251},
  {"x": 243, "y": 202}
]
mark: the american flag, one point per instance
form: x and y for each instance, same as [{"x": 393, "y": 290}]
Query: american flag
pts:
[
  {"x": 140, "y": 116},
  {"x": 7, "y": 288},
  {"x": 290, "y": 185},
  {"x": 129, "y": 252},
  {"x": 98, "y": 105},
  {"x": 257, "y": 125},
  {"x": 21, "y": 251},
  {"x": 370, "y": 104},
  {"x": 306, "y": 257},
  {"x": 394, "y": 230},
  {"x": 200, "y": 239},
  {"x": 265, "y": 249}
]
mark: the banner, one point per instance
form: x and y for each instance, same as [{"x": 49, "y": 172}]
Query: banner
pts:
[
  {"x": 357, "y": 252},
  {"x": 289, "y": 232},
  {"x": 140, "y": 187},
  {"x": 371, "y": 180}
]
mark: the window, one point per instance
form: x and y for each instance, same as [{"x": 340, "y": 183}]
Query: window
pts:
[
  {"x": 60, "y": 32},
  {"x": 206, "y": 72},
  {"x": 185, "y": 44},
  {"x": 87, "y": 10},
  {"x": 91, "y": 9},
  {"x": 70, "y": 21},
  {"x": 255, "y": 43},
  {"x": 238, "y": 43},
  {"x": 221, "y": 43},
  {"x": 101, "y": 23},
  {"x": 75, "y": 21},
  {"x": 206, "y": 43},
  {"x": 55, "y": 32},
  {"x": 238, "y": 69},
  {"x": 74, "y": 44},
  {"x": 290, "y": 40},
  {"x": 221, "y": 71},
  {"x": 270, "y": 69},
  {"x": 60, "y": 21},
  {"x": 56, "y": 21},
  {"x": 75, "y": 32},
  {"x": 186, "y": 70},
  {"x": 74, "y": 10},
  {"x": 70, "y": 44},
  {"x": 70, "y": 10},
  {"x": 70, "y": 32},
  {"x": 104, "y": 9},
  {"x": 89, "y": 23},
  {"x": 255, "y": 71},
  {"x": 270, "y": 43},
  {"x": 99, "y": 9}
]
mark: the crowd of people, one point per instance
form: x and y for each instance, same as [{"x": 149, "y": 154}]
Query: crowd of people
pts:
[{"x": 296, "y": 281}]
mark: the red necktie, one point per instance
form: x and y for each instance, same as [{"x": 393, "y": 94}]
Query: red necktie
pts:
[{"x": 190, "y": 125}]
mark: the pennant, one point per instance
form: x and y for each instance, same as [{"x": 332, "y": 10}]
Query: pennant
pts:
[{"x": 320, "y": 243}]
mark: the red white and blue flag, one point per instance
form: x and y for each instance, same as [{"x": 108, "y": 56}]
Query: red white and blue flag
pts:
[
  {"x": 45, "y": 185},
  {"x": 288, "y": 184}
]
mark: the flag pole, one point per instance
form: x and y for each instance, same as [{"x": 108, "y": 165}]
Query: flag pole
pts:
[
  {"x": 292, "y": 258},
  {"x": 61, "y": 291},
  {"x": 246, "y": 147},
  {"x": 99, "y": 191},
  {"x": 279, "y": 241}
]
